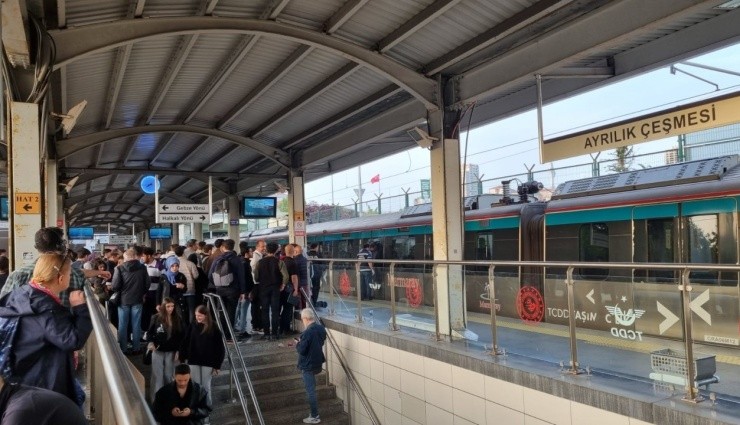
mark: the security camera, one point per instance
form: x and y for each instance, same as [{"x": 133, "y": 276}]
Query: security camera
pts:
[
  {"x": 422, "y": 138},
  {"x": 70, "y": 118}
]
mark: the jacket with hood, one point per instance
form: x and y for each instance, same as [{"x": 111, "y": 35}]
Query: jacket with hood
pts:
[
  {"x": 309, "y": 347},
  {"x": 47, "y": 335},
  {"x": 132, "y": 280}
]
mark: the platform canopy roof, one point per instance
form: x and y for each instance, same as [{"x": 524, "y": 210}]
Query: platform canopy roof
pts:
[{"x": 244, "y": 90}]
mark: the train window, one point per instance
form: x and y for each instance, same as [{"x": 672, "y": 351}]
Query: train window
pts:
[
  {"x": 660, "y": 248},
  {"x": 593, "y": 245},
  {"x": 703, "y": 245}
]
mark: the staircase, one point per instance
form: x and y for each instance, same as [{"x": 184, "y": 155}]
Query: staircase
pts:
[{"x": 278, "y": 385}]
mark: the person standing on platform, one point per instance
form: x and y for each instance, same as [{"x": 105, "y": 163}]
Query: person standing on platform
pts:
[
  {"x": 302, "y": 263},
  {"x": 182, "y": 402},
  {"x": 190, "y": 270},
  {"x": 227, "y": 278},
  {"x": 203, "y": 349},
  {"x": 155, "y": 273},
  {"x": 366, "y": 272},
  {"x": 172, "y": 284},
  {"x": 164, "y": 337},
  {"x": 242, "y": 311},
  {"x": 50, "y": 240},
  {"x": 47, "y": 333},
  {"x": 316, "y": 270},
  {"x": 290, "y": 292},
  {"x": 259, "y": 252},
  {"x": 273, "y": 276},
  {"x": 132, "y": 281},
  {"x": 214, "y": 253},
  {"x": 311, "y": 359}
]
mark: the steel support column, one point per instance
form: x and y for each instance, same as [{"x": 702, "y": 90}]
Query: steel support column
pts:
[
  {"x": 296, "y": 208},
  {"x": 53, "y": 203},
  {"x": 175, "y": 236},
  {"x": 447, "y": 217},
  {"x": 233, "y": 208},
  {"x": 198, "y": 232},
  {"x": 24, "y": 182}
]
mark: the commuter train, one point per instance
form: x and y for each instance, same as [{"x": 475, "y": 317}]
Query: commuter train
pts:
[{"x": 681, "y": 213}]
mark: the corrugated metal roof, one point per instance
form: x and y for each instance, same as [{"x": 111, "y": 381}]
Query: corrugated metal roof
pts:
[{"x": 461, "y": 41}]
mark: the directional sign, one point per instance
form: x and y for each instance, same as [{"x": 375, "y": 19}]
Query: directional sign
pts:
[
  {"x": 670, "y": 318},
  {"x": 184, "y": 218},
  {"x": 122, "y": 239},
  {"x": 590, "y": 297},
  {"x": 27, "y": 203},
  {"x": 696, "y": 307},
  {"x": 183, "y": 208}
]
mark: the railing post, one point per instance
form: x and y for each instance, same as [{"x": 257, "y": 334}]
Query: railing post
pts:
[
  {"x": 692, "y": 393},
  {"x": 359, "y": 292},
  {"x": 331, "y": 286},
  {"x": 492, "y": 299},
  {"x": 436, "y": 307},
  {"x": 392, "y": 287},
  {"x": 572, "y": 323}
]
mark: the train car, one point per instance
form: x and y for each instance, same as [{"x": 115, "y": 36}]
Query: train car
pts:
[{"x": 682, "y": 213}]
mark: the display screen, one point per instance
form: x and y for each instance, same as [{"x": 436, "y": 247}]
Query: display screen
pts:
[
  {"x": 259, "y": 207},
  {"x": 4, "y": 207},
  {"x": 160, "y": 233},
  {"x": 81, "y": 233}
]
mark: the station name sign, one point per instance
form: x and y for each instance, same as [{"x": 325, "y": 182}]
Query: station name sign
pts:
[{"x": 683, "y": 119}]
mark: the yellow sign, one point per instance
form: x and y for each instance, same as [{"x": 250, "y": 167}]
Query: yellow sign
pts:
[
  {"x": 27, "y": 203},
  {"x": 683, "y": 119},
  {"x": 298, "y": 216}
]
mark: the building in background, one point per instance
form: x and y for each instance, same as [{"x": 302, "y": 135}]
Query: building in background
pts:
[{"x": 471, "y": 177}]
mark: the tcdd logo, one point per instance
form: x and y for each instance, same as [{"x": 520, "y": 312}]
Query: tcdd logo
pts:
[
  {"x": 530, "y": 305},
  {"x": 344, "y": 285}
]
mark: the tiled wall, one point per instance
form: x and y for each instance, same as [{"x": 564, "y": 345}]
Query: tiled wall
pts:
[{"x": 405, "y": 388}]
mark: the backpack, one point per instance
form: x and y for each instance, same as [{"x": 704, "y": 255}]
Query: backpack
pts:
[
  {"x": 8, "y": 326},
  {"x": 222, "y": 274}
]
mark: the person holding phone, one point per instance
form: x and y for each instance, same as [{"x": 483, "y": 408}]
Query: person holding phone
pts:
[{"x": 181, "y": 401}]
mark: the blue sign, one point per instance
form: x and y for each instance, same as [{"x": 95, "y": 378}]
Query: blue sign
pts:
[{"x": 149, "y": 184}]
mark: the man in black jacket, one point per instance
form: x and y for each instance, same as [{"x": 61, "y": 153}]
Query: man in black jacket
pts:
[
  {"x": 132, "y": 281},
  {"x": 230, "y": 288},
  {"x": 21, "y": 404},
  {"x": 272, "y": 277},
  {"x": 181, "y": 401}
]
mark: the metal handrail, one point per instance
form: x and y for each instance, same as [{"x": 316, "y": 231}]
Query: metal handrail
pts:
[
  {"x": 347, "y": 371},
  {"x": 684, "y": 287},
  {"x": 127, "y": 400},
  {"x": 211, "y": 298}
]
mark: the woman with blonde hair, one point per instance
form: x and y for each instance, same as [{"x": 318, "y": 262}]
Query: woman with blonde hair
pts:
[
  {"x": 47, "y": 333},
  {"x": 165, "y": 335},
  {"x": 203, "y": 349}
]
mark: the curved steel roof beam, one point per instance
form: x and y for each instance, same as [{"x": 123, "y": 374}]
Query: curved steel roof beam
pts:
[
  {"x": 128, "y": 205},
  {"x": 67, "y": 147},
  {"x": 162, "y": 194},
  {"x": 77, "y": 42}
]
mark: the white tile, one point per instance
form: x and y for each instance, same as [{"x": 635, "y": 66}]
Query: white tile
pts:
[
  {"x": 360, "y": 417},
  {"x": 438, "y": 371},
  {"x": 392, "y": 399},
  {"x": 468, "y": 406},
  {"x": 363, "y": 346},
  {"x": 468, "y": 381},
  {"x": 392, "y": 356},
  {"x": 407, "y": 421},
  {"x": 413, "y": 408},
  {"x": 504, "y": 393},
  {"x": 364, "y": 382},
  {"x": 376, "y": 350},
  {"x": 582, "y": 414},
  {"x": 634, "y": 421},
  {"x": 392, "y": 417},
  {"x": 376, "y": 369},
  {"x": 377, "y": 390},
  {"x": 558, "y": 409},
  {"x": 497, "y": 414},
  {"x": 462, "y": 421},
  {"x": 529, "y": 420},
  {"x": 363, "y": 364},
  {"x": 437, "y": 416},
  {"x": 392, "y": 376},
  {"x": 412, "y": 362},
  {"x": 412, "y": 384},
  {"x": 438, "y": 394}
]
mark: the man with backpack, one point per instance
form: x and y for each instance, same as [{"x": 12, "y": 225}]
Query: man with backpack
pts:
[{"x": 226, "y": 276}]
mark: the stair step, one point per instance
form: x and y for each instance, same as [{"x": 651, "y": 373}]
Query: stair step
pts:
[
  {"x": 258, "y": 372},
  {"x": 265, "y": 387},
  {"x": 331, "y": 411},
  {"x": 275, "y": 401}
]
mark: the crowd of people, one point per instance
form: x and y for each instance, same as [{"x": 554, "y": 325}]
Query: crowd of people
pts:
[{"x": 155, "y": 300}]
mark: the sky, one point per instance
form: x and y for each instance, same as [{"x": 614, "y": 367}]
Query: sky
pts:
[{"x": 508, "y": 146}]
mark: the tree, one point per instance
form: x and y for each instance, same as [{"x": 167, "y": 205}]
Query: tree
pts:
[{"x": 623, "y": 160}]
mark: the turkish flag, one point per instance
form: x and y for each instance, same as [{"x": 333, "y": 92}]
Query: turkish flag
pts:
[{"x": 375, "y": 179}]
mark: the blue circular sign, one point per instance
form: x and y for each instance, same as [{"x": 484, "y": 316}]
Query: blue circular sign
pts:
[{"x": 149, "y": 184}]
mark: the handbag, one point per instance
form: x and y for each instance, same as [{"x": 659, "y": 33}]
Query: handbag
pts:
[{"x": 147, "y": 360}]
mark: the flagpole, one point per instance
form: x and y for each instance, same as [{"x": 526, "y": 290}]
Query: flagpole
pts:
[{"x": 359, "y": 183}]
